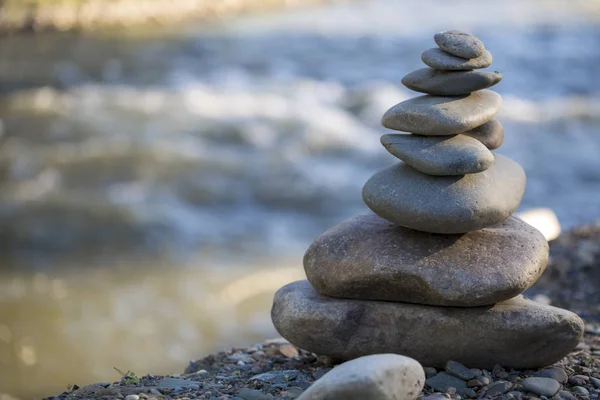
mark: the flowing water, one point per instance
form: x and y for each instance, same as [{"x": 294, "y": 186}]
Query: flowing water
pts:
[{"x": 156, "y": 188}]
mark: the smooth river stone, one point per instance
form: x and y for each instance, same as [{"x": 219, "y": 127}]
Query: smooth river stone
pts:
[
  {"x": 460, "y": 44},
  {"x": 518, "y": 333},
  {"x": 491, "y": 134},
  {"x": 446, "y": 204},
  {"x": 450, "y": 83},
  {"x": 440, "y": 116},
  {"x": 374, "y": 377},
  {"x": 440, "y": 155},
  {"x": 439, "y": 59},
  {"x": 369, "y": 258}
]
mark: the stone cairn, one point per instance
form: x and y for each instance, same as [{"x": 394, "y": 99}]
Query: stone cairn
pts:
[{"x": 437, "y": 272}]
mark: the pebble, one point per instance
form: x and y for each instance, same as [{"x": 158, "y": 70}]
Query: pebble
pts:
[
  {"x": 175, "y": 383},
  {"x": 443, "y": 381},
  {"x": 377, "y": 377},
  {"x": 440, "y": 115},
  {"x": 132, "y": 397},
  {"x": 446, "y": 204},
  {"x": 542, "y": 386},
  {"x": 450, "y": 83},
  {"x": 490, "y": 134},
  {"x": 564, "y": 395},
  {"x": 518, "y": 332},
  {"x": 595, "y": 381},
  {"x": 459, "y": 370},
  {"x": 499, "y": 387},
  {"x": 251, "y": 394},
  {"x": 440, "y": 155},
  {"x": 477, "y": 372},
  {"x": 367, "y": 257},
  {"x": 429, "y": 372},
  {"x": 438, "y": 59},
  {"x": 580, "y": 390},
  {"x": 499, "y": 372},
  {"x": 460, "y": 44}
]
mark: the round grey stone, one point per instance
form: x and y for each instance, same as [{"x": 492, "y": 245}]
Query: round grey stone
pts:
[
  {"x": 440, "y": 60},
  {"x": 444, "y": 381},
  {"x": 378, "y": 377},
  {"x": 518, "y": 333},
  {"x": 446, "y": 204},
  {"x": 491, "y": 134},
  {"x": 449, "y": 83},
  {"x": 439, "y": 116},
  {"x": 369, "y": 258},
  {"x": 498, "y": 388},
  {"x": 542, "y": 386},
  {"x": 460, "y": 44},
  {"x": 440, "y": 155}
]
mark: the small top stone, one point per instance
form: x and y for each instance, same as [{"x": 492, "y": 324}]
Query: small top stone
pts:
[
  {"x": 460, "y": 44},
  {"x": 440, "y": 60}
]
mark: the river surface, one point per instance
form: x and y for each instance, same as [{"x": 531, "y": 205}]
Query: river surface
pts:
[{"x": 157, "y": 187}]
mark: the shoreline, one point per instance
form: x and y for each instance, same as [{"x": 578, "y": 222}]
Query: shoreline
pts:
[{"x": 41, "y": 16}]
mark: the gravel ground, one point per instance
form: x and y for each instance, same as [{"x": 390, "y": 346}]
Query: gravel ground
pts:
[{"x": 279, "y": 370}]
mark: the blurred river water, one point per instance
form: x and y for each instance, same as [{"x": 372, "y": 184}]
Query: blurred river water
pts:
[{"x": 157, "y": 187}]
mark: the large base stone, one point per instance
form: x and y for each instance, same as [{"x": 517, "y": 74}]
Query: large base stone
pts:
[
  {"x": 517, "y": 333},
  {"x": 368, "y": 257}
]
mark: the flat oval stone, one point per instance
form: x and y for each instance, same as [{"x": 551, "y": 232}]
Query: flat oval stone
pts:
[
  {"x": 518, "y": 333},
  {"x": 446, "y": 204},
  {"x": 440, "y": 155},
  {"x": 491, "y": 134},
  {"x": 439, "y": 59},
  {"x": 369, "y": 258},
  {"x": 450, "y": 83},
  {"x": 439, "y": 116},
  {"x": 377, "y": 377},
  {"x": 460, "y": 44}
]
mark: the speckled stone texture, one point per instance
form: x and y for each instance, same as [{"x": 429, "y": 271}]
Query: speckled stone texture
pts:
[
  {"x": 450, "y": 83},
  {"x": 440, "y": 60},
  {"x": 460, "y": 44},
  {"x": 367, "y": 257}
]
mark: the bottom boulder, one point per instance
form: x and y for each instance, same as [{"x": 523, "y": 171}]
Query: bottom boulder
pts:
[{"x": 517, "y": 333}]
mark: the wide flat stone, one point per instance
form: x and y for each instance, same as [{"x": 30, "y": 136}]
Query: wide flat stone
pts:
[
  {"x": 438, "y": 59},
  {"x": 518, "y": 333},
  {"x": 367, "y": 257},
  {"x": 440, "y": 155},
  {"x": 446, "y": 204},
  {"x": 438, "y": 115},
  {"x": 460, "y": 44},
  {"x": 376, "y": 377},
  {"x": 450, "y": 83},
  {"x": 491, "y": 134}
]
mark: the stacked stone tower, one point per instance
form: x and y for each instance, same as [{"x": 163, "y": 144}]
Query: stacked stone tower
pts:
[{"x": 437, "y": 272}]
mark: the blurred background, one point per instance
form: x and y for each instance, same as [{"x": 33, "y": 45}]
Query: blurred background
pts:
[{"x": 158, "y": 184}]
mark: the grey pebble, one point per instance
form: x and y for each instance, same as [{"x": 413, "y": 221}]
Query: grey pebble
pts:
[
  {"x": 476, "y": 372},
  {"x": 474, "y": 383},
  {"x": 564, "y": 395},
  {"x": 450, "y": 83},
  {"x": 443, "y": 381},
  {"x": 541, "y": 386},
  {"x": 429, "y": 372},
  {"x": 595, "y": 381},
  {"x": 440, "y": 60},
  {"x": 274, "y": 377},
  {"x": 460, "y": 44},
  {"x": 580, "y": 390},
  {"x": 499, "y": 387},
  {"x": 251, "y": 394},
  {"x": 499, "y": 372},
  {"x": 459, "y": 370}
]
